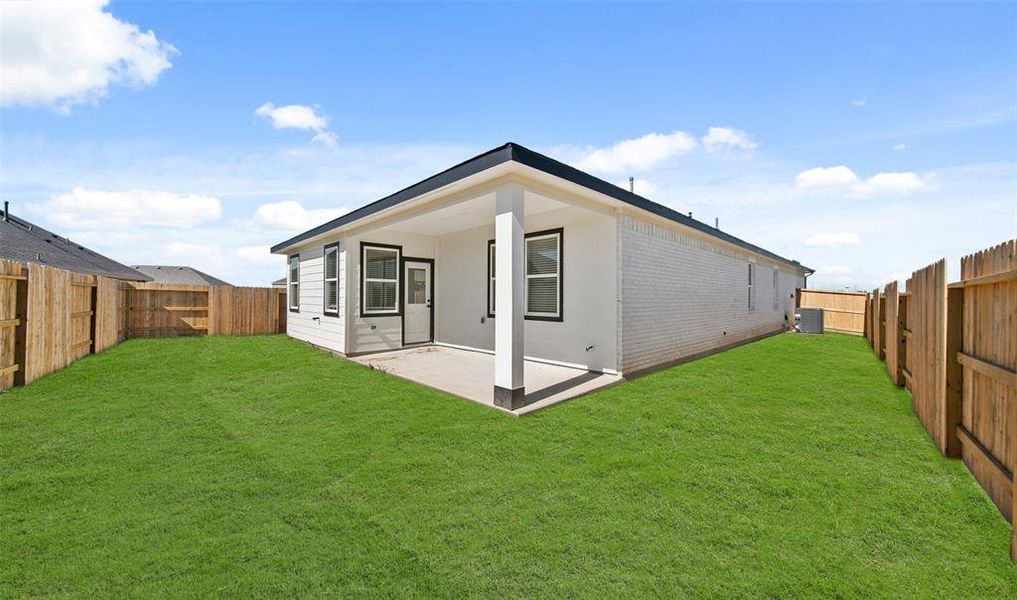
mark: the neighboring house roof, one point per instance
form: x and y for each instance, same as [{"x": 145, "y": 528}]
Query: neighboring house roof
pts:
[
  {"x": 177, "y": 274},
  {"x": 23, "y": 241},
  {"x": 540, "y": 162},
  {"x": 281, "y": 282}
]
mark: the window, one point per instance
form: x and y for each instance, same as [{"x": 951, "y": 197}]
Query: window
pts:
[
  {"x": 294, "y": 283},
  {"x": 752, "y": 281},
  {"x": 332, "y": 279},
  {"x": 542, "y": 278},
  {"x": 379, "y": 271},
  {"x": 776, "y": 280},
  {"x": 490, "y": 278},
  {"x": 543, "y": 275}
]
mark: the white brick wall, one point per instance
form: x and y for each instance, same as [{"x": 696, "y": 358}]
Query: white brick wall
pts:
[
  {"x": 682, "y": 295},
  {"x": 329, "y": 331}
]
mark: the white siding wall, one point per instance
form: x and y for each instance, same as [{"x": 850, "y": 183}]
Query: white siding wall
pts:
[
  {"x": 682, "y": 295},
  {"x": 590, "y": 294},
  {"x": 329, "y": 331},
  {"x": 373, "y": 334}
]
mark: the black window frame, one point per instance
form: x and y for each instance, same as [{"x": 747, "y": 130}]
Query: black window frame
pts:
[
  {"x": 398, "y": 312},
  {"x": 324, "y": 279},
  {"x": 560, "y": 317}
]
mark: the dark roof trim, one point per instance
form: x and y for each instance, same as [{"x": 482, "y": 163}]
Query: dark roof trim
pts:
[
  {"x": 491, "y": 158},
  {"x": 540, "y": 162}
]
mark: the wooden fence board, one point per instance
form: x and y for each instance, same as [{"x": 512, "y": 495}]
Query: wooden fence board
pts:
[
  {"x": 12, "y": 281},
  {"x": 877, "y": 323},
  {"x": 891, "y": 331},
  {"x": 926, "y": 354}
]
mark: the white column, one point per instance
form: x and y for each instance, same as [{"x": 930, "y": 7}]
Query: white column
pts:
[{"x": 508, "y": 297}]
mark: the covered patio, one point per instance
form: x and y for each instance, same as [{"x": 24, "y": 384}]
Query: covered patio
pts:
[{"x": 468, "y": 374}]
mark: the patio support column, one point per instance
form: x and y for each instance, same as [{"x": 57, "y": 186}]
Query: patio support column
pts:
[{"x": 509, "y": 389}]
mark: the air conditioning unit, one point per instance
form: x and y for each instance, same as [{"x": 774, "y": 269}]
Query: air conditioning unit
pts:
[{"x": 810, "y": 320}]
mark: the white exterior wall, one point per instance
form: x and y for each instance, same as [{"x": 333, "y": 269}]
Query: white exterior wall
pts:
[
  {"x": 683, "y": 294},
  {"x": 589, "y": 259},
  {"x": 374, "y": 334},
  {"x": 328, "y": 331}
]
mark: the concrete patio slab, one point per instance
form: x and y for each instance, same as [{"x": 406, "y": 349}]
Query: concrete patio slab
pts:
[{"x": 470, "y": 374}]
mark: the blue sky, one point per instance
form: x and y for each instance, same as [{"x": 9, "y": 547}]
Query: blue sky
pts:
[{"x": 863, "y": 139}]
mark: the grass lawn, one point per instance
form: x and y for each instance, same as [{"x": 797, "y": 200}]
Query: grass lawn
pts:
[{"x": 260, "y": 466}]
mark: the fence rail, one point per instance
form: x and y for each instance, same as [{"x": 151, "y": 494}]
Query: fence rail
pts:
[
  {"x": 51, "y": 317},
  {"x": 954, "y": 347}
]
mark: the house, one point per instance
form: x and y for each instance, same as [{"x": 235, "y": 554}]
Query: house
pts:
[
  {"x": 518, "y": 255},
  {"x": 279, "y": 283},
  {"x": 23, "y": 241},
  {"x": 179, "y": 275}
]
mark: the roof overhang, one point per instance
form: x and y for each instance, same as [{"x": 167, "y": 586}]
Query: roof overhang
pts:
[{"x": 513, "y": 159}]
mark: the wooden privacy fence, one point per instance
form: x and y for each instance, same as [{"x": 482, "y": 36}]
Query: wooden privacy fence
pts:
[
  {"x": 51, "y": 317},
  {"x": 843, "y": 312},
  {"x": 954, "y": 346}
]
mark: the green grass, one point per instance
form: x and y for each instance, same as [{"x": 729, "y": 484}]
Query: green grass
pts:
[{"x": 261, "y": 467}]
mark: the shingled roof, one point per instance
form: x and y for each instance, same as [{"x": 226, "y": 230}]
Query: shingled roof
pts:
[
  {"x": 179, "y": 274},
  {"x": 23, "y": 241}
]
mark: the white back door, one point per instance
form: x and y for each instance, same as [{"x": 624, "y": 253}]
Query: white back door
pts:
[{"x": 417, "y": 312}]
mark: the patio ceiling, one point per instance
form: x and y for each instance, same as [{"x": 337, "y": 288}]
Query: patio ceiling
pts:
[{"x": 476, "y": 212}]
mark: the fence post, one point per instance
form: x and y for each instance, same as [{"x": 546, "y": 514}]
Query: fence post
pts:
[
  {"x": 93, "y": 301},
  {"x": 21, "y": 330},
  {"x": 954, "y": 371},
  {"x": 902, "y": 346}
]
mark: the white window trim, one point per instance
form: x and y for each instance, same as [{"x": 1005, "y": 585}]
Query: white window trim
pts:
[
  {"x": 293, "y": 286},
  {"x": 776, "y": 287},
  {"x": 751, "y": 288},
  {"x": 365, "y": 280},
  {"x": 556, "y": 276},
  {"x": 490, "y": 279},
  {"x": 335, "y": 279}
]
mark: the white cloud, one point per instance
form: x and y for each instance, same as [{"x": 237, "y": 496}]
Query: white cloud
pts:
[
  {"x": 95, "y": 209},
  {"x": 67, "y": 53},
  {"x": 257, "y": 255},
  {"x": 826, "y": 177},
  {"x": 833, "y": 239},
  {"x": 891, "y": 183},
  {"x": 328, "y": 138},
  {"x": 901, "y": 148},
  {"x": 858, "y": 102},
  {"x": 292, "y": 216},
  {"x": 293, "y": 116},
  {"x": 642, "y": 187},
  {"x": 637, "y": 154},
  {"x": 299, "y": 116},
  {"x": 718, "y": 139},
  {"x": 879, "y": 184}
]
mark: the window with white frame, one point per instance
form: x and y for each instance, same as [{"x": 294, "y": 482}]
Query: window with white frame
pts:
[
  {"x": 490, "y": 279},
  {"x": 294, "y": 282},
  {"x": 379, "y": 270},
  {"x": 542, "y": 278},
  {"x": 776, "y": 282},
  {"x": 543, "y": 275},
  {"x": 331, "y": 279},
  {"x": 752, "y": 281}
]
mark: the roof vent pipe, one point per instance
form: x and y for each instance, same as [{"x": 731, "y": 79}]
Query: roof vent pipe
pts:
[
  {"x": 632, "y": 184},
  {"x": 716, "y": 222},
  {"x": 7, "y": 210},
  {"x": 690, "y": 214}
]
